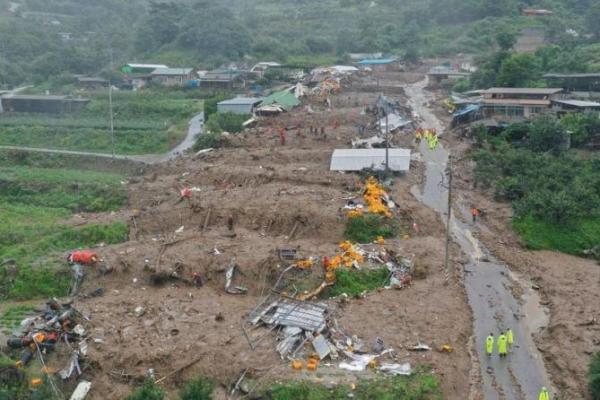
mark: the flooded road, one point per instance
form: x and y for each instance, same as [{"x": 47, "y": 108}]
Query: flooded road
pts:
[{"x": 488, "y": 283}]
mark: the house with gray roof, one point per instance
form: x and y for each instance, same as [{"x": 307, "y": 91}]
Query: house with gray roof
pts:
[{"x": 172, "y": 76}]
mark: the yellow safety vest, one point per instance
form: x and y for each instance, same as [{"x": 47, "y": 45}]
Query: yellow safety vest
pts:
[
  {"x": 509, "y": 337},
  {"x": 544, "y": 395},
  {"x": 502, "y": 344},
  {"x": 489, "y": 344}
]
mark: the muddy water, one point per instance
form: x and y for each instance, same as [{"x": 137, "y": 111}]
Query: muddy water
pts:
[{"x": 488, "y": 282}]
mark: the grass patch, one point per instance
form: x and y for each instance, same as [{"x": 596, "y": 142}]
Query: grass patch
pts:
[
  {"x": 152, "y": 121},
  {"x": 354, "y": 282},
  {"x": 33, "y": 202},
  {"x": 209, "y": 141},
  {"x": 419, "y": 386},
  {"x": 365, "y": 229},
  {"x": 594, "y": 377},
  {"x": 40, "y": 271},
  {"x": 74, "y": 190},
  {"x": 91, "y": 139},
  {"x": 198, "y": 389},
  {"x": 571, "y": 238},
  {"x": 13, "y": 315},
  {"x": 149, "y": 391}
]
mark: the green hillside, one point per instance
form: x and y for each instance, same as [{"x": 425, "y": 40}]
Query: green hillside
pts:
[{"x": 40, "y": 39}]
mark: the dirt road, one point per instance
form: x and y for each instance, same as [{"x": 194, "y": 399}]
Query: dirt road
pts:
[
  {"x": 487, "y": 281},
  {"x": 194, "y": 129}
]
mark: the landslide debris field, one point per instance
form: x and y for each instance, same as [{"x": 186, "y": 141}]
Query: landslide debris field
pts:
[
  {"x": 147, "y": 317},
  {"x": 151, "y": 315}
]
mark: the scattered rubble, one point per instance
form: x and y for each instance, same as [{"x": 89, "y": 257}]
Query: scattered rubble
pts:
[
  {"x": 56, "y": 332},
  {"x": 289, "y": 240}
]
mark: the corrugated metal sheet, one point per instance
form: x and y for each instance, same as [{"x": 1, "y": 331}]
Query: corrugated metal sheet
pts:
[
  {"x": 239, "y": 105},
  {"x": 147, "y": 66},
  {"x": 577, "y": 103},
  {"x": 172, "y": 71},
  {"x": 524, "y": 91},
  {"x": 468, "y": 109},
  {"x": 567, "y": 76},
  {"x": 359, "y": 159},
  {"x": 394, "y": 121},
  {"x": 285, "y": 99},
  {"x": 307, "y": 316},
  {"x": 380, "y": 61}
]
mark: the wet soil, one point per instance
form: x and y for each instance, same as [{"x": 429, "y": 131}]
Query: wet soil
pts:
[{"x": 271, "y": 192}]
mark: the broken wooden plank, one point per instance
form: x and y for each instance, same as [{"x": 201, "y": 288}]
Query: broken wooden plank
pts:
[{"x": 207, "y": 220}]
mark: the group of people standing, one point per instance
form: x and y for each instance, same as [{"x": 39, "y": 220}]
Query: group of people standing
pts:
[
  {"x": 504, "y": 343},
  {"x": 430, "y": 135}
]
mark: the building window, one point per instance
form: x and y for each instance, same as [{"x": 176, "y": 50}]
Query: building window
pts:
[{"x": 536, "y": 110}]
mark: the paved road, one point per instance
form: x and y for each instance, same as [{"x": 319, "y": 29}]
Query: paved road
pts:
[
  {"x": 194, "y": 129},
  {"x": 521, "y": 375}
]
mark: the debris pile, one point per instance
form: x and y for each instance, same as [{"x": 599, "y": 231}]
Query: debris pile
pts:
[
  {"x": 309, "y": 330},
  {"x": 59, "y": 328},
  {"x": 351, "y": 256},
  {"x": 375, "y": 200}
]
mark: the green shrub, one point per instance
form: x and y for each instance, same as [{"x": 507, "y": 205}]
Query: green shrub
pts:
[
  {"x": 582, "y": 126},
  {"x": 354, "y": 282},
  {"x": 149, "y": 391},
  {"x": 307, "y": 391},
  {"x": 594, "y": 377},
  {"x": 365, "y": 229},
  {"x": 198, "y": 389},
  {"x": 421, "y": 385},
  {"x": 555, "y": 195},
  {"x": 210, "y": 104},
  {"x": 231, "y": 122},
  {"x": 461, "y": 86},
  {"x": 209, "y": 141},
  {"x": 226, "y": 122}
]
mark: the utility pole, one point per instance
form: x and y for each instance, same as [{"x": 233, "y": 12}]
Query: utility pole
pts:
[
  {"x": 387, "y": 145},
  {"x": 110, "y": 106},
  {"x": 448, "y": 218}
]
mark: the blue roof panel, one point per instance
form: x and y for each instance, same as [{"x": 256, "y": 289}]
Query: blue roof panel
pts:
[{"x": 377, "y": 61}]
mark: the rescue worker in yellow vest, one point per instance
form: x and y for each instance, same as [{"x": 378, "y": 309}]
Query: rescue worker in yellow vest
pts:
[
  {"x": 544, "y": 395},
  {"x": 509, "y": 338},
  {"x": 433, "y": 142},
  {"x": 502, "y": 345},
  {"x": 489, "y": 345}
]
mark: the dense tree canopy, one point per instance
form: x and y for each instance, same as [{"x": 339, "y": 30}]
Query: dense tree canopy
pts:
[{"x": 210, "y": 33}]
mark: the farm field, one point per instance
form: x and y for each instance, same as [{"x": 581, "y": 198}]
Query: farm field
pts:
[{"x": 149, "y": 122}]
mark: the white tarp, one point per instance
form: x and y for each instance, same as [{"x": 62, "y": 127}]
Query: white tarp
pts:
[
  {"x": 359, "y": 159},
  {"x": 81, "y": 390}
]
